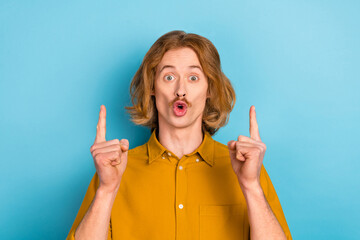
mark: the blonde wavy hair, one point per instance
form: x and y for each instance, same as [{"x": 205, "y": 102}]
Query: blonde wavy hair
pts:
[{"x": 222, "y": 95}]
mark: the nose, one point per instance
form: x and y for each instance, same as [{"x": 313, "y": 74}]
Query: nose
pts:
[
  {"x": 180, "y": 94},
  {"x": 180, "y": 91}
]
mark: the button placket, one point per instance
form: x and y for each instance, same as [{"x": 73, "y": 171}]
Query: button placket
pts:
[{"x": 181, "y": 196}]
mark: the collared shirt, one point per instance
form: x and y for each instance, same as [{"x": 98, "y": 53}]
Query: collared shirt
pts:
[{"x": 197, "y": 197}]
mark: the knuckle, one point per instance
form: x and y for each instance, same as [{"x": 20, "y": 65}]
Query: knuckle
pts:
[
  {"x": 95, "y": 152},
  {"x": 264, "y": 146},
  {"x": 257, "y": 150},
  {"x": 116, "y": 141},
  {"x": 92, "y": 148},
  {"x": 241, "y": 138}
]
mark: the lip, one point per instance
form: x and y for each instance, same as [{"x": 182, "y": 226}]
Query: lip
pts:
[{"x": 180, "y": 112}]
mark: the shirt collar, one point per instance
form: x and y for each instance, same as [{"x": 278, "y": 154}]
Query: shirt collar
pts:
[{"x": 206, "y": 148}]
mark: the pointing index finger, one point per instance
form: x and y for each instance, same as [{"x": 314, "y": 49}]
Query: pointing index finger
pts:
[
  {"x": 101, "y": 126},
  {"x": 254, "y": 128}
]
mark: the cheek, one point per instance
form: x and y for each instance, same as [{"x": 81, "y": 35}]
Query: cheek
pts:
[
  {"x": 201, "y": 92},
  {"x": 162, "y": 89},
  {"x": 200, "y": 99},
  {"x": 162, "y": 97}
]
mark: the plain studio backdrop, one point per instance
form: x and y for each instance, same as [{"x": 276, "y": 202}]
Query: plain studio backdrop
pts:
[{"x": 296, "y": 61}]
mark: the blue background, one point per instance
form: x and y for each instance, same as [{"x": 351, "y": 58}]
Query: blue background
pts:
[{"x": 296, "y": 61}]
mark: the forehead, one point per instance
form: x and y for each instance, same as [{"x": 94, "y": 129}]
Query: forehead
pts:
[{"x": 181, "y": 57}]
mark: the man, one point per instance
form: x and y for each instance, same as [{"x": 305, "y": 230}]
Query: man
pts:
[{"x": 181, "y": 184}]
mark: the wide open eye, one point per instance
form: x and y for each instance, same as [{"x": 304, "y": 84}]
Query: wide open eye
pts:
[
  {"x": 194, "y": 78},
  {"x": 169, "y": 77}
]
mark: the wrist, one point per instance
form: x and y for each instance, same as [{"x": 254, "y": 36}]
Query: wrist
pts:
[
  {"x": 105, "y": 196},
  {"x": 108, "y": 191},
  {"x": 251, "y": 187},
  {"x": 253, "y": 192}
]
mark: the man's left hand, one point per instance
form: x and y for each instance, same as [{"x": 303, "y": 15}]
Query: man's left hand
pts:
[{"x": 247, "y": 155}]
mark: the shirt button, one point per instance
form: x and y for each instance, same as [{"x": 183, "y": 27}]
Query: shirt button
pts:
[
  {"x": 169, "y": 154},
  {"x": 197, "y": 160},
  {"x": 180, "y": 167},
  {"x": 181, "y": 206}
]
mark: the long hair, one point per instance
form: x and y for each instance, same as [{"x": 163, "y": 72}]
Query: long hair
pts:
[{"x": 222, "y": 95}]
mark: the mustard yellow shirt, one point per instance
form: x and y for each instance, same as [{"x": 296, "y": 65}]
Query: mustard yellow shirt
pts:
[{"x": 197, "y": 197}]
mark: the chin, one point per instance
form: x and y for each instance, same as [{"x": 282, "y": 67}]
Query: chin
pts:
[
  {"x": 178, "y": 124},
  {"x": 181, "y": 122}
]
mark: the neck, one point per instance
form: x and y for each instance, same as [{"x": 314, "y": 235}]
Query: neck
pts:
[{"x": 181, "y": 141}]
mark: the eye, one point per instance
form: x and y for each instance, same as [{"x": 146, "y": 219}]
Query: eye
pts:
[
  {"x": 193, "y": 78},
  {"x": 169, "y": 77}
]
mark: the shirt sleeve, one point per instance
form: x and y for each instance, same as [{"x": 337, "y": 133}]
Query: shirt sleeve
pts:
[
  {"x": 89, "y": 196},
  {"x": 273, "y": 200}
]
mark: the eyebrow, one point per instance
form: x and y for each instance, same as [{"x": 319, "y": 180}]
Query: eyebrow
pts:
[{"x": 170, "y": 66}]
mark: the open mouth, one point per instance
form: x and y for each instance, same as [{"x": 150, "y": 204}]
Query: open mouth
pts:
[{"x": 180, "y": 108}]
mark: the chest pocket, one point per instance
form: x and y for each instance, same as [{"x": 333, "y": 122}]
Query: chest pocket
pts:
[{"x": 222, "y": 222}]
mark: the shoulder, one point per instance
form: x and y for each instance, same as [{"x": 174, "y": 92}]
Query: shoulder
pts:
[
  {"x": 139, "y": 152},
  {"x": 220, "y": 149},
  {"x": 221, "y": 153}
]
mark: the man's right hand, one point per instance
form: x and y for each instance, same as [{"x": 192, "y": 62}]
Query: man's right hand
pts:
[{"x": 110, "y": 157}]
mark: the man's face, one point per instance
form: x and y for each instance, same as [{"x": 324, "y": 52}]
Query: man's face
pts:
[{"x": 180, "y": 89}]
